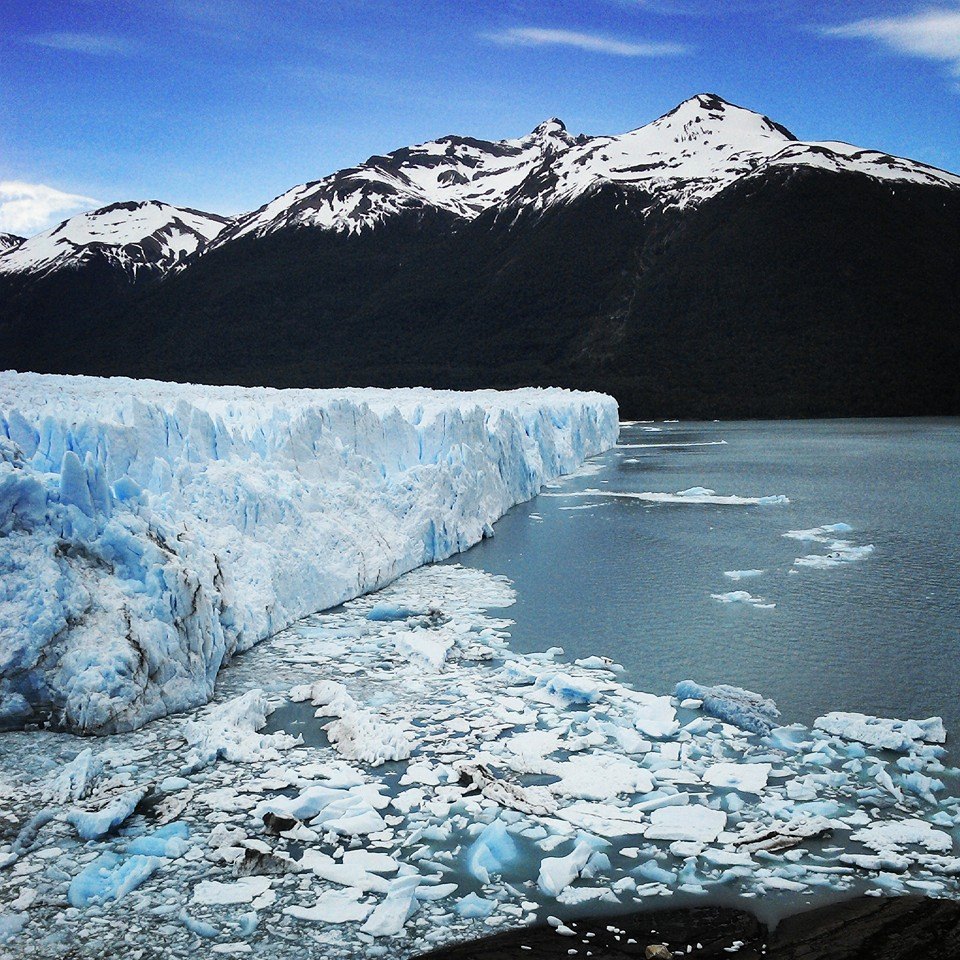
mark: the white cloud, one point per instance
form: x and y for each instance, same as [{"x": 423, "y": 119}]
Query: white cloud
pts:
[
  {"x": 27, "y": 208},
  {"x": 933, "y": 34},
  {"x": 98, "y": 45},
  {"x": 595, "y": 43}
]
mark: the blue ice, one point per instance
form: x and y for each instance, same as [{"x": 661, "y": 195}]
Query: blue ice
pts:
[
  {"x": 110, "y": 877},
  {"x": 491, "y": 852}
]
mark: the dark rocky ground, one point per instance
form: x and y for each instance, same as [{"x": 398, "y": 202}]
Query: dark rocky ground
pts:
[{"x": 865, "y": 928}]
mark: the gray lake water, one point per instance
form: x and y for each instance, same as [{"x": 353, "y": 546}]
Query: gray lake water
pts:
[{"x": 633, "y": 580}]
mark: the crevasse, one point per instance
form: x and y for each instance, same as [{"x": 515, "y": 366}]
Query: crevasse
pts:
[{"x": 149, "y": 531}]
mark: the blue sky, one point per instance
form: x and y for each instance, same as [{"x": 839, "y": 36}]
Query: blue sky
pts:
[{"x": 222, "y": 104}]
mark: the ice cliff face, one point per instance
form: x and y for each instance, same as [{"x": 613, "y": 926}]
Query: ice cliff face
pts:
[{"x": 149, "y": 531}]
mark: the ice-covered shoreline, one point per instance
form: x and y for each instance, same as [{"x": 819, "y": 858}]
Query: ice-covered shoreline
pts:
[
  {"x": 446, "y": 787},
  {"x": 149, "y": 531}
]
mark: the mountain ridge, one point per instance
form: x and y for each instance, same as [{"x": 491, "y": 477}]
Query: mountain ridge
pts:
[
  {"x": 706, "y": 264},
  {"x": 362, "y": 196}
]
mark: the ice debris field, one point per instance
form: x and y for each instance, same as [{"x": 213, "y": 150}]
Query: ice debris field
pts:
[
  {"x": 388, "y": 776},
  {"x": 150, "y": 531}
]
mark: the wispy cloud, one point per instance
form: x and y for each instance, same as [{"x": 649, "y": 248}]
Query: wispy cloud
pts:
[
  {"x": 592, "y": 42},
  {"x": 27, "y": 208},
  {"x": 94, "y": 44},
  {"x": 933, "y": 34}
]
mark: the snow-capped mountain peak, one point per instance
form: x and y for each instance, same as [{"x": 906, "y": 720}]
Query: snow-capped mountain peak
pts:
[
  {"x": 9, "y": 241},
  {"x": 139, "y": 236},
  {"x": 690, "y": 154}
]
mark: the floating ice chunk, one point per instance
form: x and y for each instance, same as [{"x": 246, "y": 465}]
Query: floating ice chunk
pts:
[
  {"x": 386, "y": 612},
  {"x": 473, "y": 907},
  {"x": 557, "y": 873},
  {"x": 97, "y": 823},
  {"x": 903, "y": 736},
  {"x": 893, "y": 835},
  {"x": 575, "y": 897},
  {"x": 562, "y": 690},
  {"x": 391, "y": 913},
  {"x": 700, "y": 495},
  {"x": 781, "y": 835},
  {"x": 743, "y": 574},
  {"x": 599, "y": 663},
  {"x": 426, "y": 648},
  {"x": 370, "y": 861},
  {"x": 333, "y": 906},
  {"x": 229, "y": 732},
  {"x": 492, "y": 851},
  {"x": 329, "y": 694},
  {"x": 348, "y": 874},
  {"x": 822, "y": 534},
  {"x": 734, "y": 705},
  {"x": 213, "y": 892},
  {"x": 535, "y": 800},
  {"x": 651, "y": 870},
  {"x": 72, "y": 782},
  {"x": 924, "y": 787},
  {"x": 745, "y": 777},
  {"x": 200, "y": 927},
  {"x": 693, "y": 822},
  {"x": 351, "y": 815},
  {"x": 11, "y": 925},
  {"x": 598, "y": 776},
  {"x": 305, "y": 805},
  {"x": 605, "y": 820},
  {"x": 841, "y": 553},
  {"x": 742, "y": 596},
  {"x": 110, "y": 877},
  {"x": 893, "y": 862},
  {"x": 360, "y": 735},
  {"x": 168, "y": 841},
  {"x": 654, "y": 716}
]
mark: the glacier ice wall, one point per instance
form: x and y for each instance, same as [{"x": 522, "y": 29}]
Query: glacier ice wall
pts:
[{"x": 148, "y": 531}]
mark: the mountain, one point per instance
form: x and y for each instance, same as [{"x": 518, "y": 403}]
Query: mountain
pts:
[
  {"x": 136, "y": 238},
  {"x": 705, "y": 264},
  {"x": 8, "y": 241}
]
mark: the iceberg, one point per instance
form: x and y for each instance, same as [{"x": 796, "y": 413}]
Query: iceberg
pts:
[
  {"x": 491, "y": 852},
  {"x": 742, "y": 708},
  {"x": 148, "y": 528},
  {"x": 903, "y": 736},
  {"x": 110, "y": 877}
]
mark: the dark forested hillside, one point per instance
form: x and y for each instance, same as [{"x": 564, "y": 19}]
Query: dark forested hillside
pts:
[{"x": 803, "y": 292}]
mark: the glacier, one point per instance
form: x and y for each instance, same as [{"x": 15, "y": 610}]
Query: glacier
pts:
[{"x": 150, "y": 531}]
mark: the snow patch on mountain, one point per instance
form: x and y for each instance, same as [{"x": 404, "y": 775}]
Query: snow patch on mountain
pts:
[
  {"x": 139, "y": 237},
  {"x": 9, "y": 241},
  {"x": 151, "y": 530},
  {"x": 694, "y": 152},
  {"x": 688, "y": 155},
  {"x": 460, "y": 176}
]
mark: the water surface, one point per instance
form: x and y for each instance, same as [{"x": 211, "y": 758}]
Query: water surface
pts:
[{"x": 634, "y": 580}]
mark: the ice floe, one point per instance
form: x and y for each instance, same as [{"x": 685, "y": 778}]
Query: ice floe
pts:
[
  {"x": 839, "y": 551},
  {"x": 532, "y": 789},
  {"x": 743, "y": 597},
  {"x": 693, "y": 495}
]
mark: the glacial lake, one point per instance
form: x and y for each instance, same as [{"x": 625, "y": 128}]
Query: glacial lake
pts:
[{"x": 875, "y": 631}]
